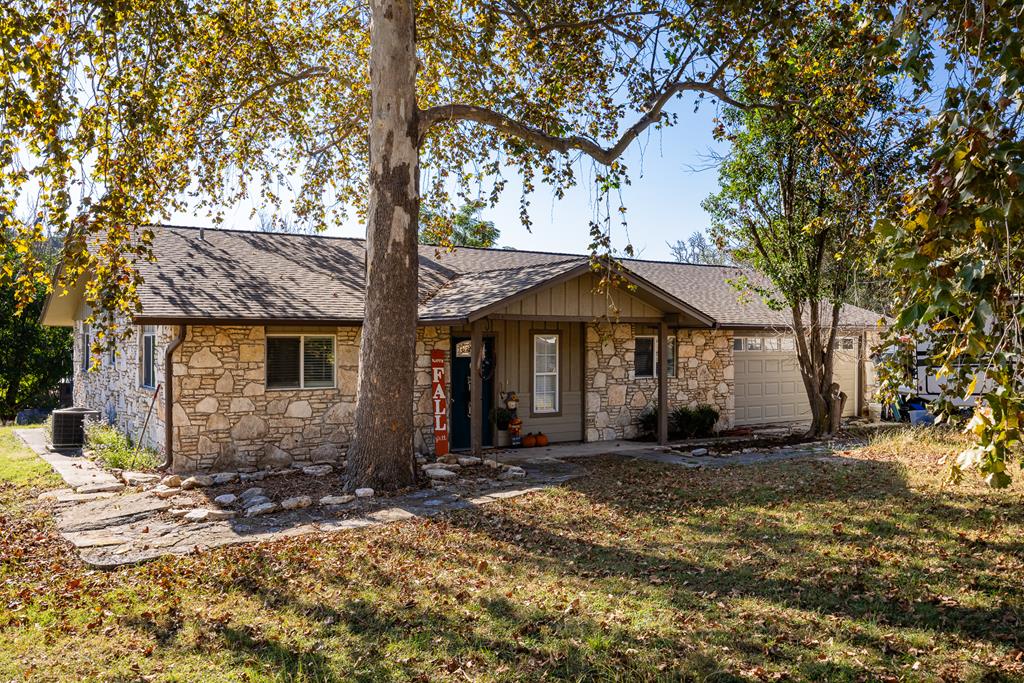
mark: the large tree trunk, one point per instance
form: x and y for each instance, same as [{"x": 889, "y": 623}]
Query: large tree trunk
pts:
[
  {"x": 381, "y": 455},
  {"x": 816, "y": 354}
]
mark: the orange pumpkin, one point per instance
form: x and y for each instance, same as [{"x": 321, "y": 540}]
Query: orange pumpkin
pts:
[
  {"x": 542, "y": 439},
  {"x": 529, "y": 441}
]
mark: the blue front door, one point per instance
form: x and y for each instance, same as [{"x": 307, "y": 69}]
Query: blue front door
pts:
[{"x": 461, "y": 401}]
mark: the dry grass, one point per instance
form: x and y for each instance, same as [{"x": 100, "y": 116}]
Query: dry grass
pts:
[{"x": 803, "y": 570}]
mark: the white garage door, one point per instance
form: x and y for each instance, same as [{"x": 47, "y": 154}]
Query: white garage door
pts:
[{"x": 769, "y": 388}]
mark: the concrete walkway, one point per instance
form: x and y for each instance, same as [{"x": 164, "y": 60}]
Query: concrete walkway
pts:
[{"x": 82, "y": 475}]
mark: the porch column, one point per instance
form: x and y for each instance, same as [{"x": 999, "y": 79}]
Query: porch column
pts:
[
  {"x": 476, "y": 389},
  {"x": 663, "y": 382}
]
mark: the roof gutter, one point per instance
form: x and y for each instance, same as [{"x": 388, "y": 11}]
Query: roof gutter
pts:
[{"x": 169, "y": 398}]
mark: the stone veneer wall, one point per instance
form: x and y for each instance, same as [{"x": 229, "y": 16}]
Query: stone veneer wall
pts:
[
  {"x": 226, "y": 419},
  {"x": 114, "y": 389},
  {"x": 615, "y": 397}
]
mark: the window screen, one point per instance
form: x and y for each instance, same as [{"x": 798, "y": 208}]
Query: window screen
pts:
[
  {"x": 643, "y": 357},
  {"x": 284, "y": 362},
  {"x": 318, "y": 362}
]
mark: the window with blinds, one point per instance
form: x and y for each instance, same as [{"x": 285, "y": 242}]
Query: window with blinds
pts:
[
  {"x": 643, "y": 357},
  {"x": 317, "y": 362},
  {"x": 300, "y": 362}
]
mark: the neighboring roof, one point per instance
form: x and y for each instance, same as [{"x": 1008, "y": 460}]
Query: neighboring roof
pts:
[{"x": 231, "y": 275}]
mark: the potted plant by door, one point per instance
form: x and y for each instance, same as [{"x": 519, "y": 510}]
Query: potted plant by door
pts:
[{"x": 502, "y": 417}]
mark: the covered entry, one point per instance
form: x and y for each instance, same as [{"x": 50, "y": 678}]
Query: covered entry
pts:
[
  {"x": 461, "y": 407},
  {"x": 768, "y": 385}
]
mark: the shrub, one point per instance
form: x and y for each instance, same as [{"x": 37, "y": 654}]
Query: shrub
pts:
[
  {"x": 689, "y": 423},
  {"x": 683, "y": 422},
  {"x": 114, "y": 450},
  {"x": 648, "y": 422}
]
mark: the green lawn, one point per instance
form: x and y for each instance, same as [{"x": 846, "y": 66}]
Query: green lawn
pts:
[{"x": 806, "y": 570}]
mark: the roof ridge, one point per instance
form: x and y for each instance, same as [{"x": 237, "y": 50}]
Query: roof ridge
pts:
[{"x": 513, "y": 250}]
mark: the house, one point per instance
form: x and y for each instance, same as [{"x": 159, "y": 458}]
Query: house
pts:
[{"x": 253, "y": 340}]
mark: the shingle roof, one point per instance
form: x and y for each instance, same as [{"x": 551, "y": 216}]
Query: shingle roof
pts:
[
  {"x": 710, "y": 289},
  {"x": 237, "y": 275}
]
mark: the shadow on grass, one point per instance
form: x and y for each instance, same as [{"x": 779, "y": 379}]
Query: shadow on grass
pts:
[{"x": 672, "y": 537}]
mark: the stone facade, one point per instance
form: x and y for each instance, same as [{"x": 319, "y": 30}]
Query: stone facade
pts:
[
  {"x": 615, "y": 397},
  {"x": 114, "y": 386},
  {"x": 225, "y": 418}
]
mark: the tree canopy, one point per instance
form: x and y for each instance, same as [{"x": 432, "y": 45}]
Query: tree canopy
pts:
[
  {"x": 463, "y": 228},
  {"x": 124, "y": 113},
  {"x": 955, "y": 238},
  {"x": 804, "y": 180}
]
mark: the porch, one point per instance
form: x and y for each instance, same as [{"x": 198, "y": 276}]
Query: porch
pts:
[{"x": 583, "y": 364}]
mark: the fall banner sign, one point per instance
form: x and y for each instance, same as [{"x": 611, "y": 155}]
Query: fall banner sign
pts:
[{"x": 439, "y": 398}]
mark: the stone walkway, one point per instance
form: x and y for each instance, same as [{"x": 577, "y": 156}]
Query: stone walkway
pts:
[
  {"x": 111, "y": 530},
  {"x": 132, "y": 528}
]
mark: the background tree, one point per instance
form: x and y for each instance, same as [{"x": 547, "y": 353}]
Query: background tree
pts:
[
  {"x": 697, "y": 248},
  {"x": 128, "y": 112},
  {"x": 33, "y": 359},
  {"x": 798, "y": 203},
  {"x": 463, "y": 228},
  {"x": 956, "y": 237}
]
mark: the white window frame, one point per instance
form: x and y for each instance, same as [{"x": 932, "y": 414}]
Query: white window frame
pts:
[
  {"x": 302, "y": 361},
  {"x": 147, "y": 331},
  {"x": 556, "y": 374}
]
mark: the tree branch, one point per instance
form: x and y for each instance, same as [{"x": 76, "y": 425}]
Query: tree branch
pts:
[{"x": 565, "y": 144}]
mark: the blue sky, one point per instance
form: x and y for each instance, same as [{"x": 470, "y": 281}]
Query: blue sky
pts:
[{"x": 670, "y": 176}]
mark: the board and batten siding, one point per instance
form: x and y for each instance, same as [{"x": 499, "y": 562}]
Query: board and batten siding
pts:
[
  {"x": 513, "y": 349},
  {"x": 579, "y": 299}
]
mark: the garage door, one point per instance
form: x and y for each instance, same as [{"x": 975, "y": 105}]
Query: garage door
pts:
[{"x": 769, "y": 388}]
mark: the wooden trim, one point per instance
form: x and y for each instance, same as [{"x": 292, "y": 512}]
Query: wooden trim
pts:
[
  {"x": 574, "y": 319},
  {"x": 533, "y": 375},
  {"x": 570, "y": 274},
  {"x": 669, "y": 299}
]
